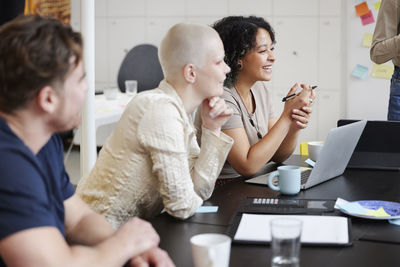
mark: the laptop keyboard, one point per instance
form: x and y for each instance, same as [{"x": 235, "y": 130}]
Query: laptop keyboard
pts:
[{"x": 304, "y": 176}]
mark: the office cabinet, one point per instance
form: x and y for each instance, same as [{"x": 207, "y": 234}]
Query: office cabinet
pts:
[
  {"x": 123, "y": 8},
  {"x": 157, "y": 28},
  {"x": 296, "y": 7},
  {"x": 295, "y": 50},
  {"x": 252, "y": 7},
  {"x": 100, "y": 8},
  {"x": 205, "y": 20},
  {"x": 207, "y": 7},
  {"x": 328, "y": 112},
  {"x": 170, "y": 8},
  {"x": 124, "y": 33},
  {"x": 330, "y": 53},
  {"x": 330, "y": 7}
]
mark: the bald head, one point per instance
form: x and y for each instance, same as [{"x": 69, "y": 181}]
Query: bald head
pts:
[{"x": 183, "y": 44}]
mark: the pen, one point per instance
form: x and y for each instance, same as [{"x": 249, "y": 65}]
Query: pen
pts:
[{"x": 292, "y": 95}]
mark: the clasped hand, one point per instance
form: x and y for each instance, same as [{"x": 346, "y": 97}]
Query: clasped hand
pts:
[
  {"x": 300, "y": 107},
  {"x": 214, "y": 113}
]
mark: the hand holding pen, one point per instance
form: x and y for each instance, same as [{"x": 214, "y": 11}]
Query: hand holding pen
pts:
[{"x": 292, "y": 95}]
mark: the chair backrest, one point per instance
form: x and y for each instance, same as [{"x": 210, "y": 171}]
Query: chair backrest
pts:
[{"x": 141, "y": 64}]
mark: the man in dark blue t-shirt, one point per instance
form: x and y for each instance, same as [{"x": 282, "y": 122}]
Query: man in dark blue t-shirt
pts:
[{"x": 42, "y": 222}]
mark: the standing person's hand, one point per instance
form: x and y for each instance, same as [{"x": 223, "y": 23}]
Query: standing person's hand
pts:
[{"x": 214, "y": 113}]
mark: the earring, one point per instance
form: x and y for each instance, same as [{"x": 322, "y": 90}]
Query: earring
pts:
[{"x": 239, "y": 66}]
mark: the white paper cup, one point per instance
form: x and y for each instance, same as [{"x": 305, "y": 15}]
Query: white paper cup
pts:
[
  {"x": 314, "y": 148},
  {"x": 211, "y": 250}
]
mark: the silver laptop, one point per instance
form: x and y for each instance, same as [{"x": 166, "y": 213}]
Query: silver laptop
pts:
[{"x": 333, "y": 158}]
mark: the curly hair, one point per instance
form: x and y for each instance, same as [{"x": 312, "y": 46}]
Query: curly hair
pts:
[
  {"x": 34, "y": 52},
  {"x": 238, "y": 35}
]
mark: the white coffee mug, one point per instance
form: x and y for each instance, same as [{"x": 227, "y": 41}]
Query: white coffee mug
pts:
[
  {"x": 289, "y": 180},
  {"x": 211, "y": 250}
]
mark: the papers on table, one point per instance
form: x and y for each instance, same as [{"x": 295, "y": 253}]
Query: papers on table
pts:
[
  {"x": 207, "y": 209},
  {"x": 310, "y": 162},
  {"x": 333, "y": 230}
]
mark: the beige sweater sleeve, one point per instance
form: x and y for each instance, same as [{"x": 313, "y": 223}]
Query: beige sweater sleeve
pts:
[
  {"x": 186, "y": 174},
  {"x": 386, "y": 41}
]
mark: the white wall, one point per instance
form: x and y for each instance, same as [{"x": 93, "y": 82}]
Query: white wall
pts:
[
  {"x": 310, "y": 42},
  {"x": 366, "y": 99}
]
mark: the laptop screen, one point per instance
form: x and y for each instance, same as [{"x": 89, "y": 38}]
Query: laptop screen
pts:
[{"x": 378, "y": 136}]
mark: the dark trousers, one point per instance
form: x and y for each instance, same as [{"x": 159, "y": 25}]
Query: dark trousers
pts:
[{"x": 394, "y": 100}]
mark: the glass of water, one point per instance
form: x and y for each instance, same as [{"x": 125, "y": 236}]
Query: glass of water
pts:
[
  {"x": 131, "y": 87},
  {"x": 285, "y": 242}
]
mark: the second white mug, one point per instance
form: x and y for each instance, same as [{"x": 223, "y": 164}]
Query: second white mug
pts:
[{"x": 211, "y": 250}]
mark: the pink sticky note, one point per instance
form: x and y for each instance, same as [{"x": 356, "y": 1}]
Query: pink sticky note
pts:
[{"x": 367, "y": 18}]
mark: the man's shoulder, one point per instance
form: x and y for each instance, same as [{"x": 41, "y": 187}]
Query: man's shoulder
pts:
[{"x": 18, "y": 162}]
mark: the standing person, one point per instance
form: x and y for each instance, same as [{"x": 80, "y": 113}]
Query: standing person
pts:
[
  {"x": 259, "y": 134},
  {"x": 152, "y": 160},
  {"x": 386, "y": 46},
  {"x": 43, "y": 223}
]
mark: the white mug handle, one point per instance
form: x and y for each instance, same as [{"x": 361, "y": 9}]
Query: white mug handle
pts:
[{"x": 270, "y": 178}]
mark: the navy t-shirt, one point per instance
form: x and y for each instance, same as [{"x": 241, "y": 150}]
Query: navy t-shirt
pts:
[{"x": 32, "y": 187}]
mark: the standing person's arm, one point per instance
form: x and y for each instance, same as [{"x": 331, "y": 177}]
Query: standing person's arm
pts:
[{"x": 386, "y": 41}]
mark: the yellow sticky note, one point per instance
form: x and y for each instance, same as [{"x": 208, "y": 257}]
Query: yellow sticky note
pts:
[
  {"x": 378, "y": 213},
  {"x": 377, "y": 5},
  {"x": 383, "y": 71},
  {"x": 367, "y": 40}
]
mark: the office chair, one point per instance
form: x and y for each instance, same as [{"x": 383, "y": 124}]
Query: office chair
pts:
[{"x": 141, "y": 64}]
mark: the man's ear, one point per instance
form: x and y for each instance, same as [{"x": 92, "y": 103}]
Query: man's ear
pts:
[
  {"x": 47, "y": 99},
  {"x": 189, "y": 73}
]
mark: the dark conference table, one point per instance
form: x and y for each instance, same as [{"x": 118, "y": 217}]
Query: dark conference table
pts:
[{"x": 352, "y": 185}]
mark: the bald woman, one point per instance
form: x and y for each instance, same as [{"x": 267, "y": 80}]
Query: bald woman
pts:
[{"x": 152, "y": 160}]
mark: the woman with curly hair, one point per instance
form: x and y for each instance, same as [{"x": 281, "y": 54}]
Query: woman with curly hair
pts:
[{"x": 259, "y": 134}]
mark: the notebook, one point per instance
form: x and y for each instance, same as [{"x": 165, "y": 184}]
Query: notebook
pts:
[
  {"x": 378, "y": 147},
  {"x": 316, "y": 230},
  {"x": 333, "y": 158}
]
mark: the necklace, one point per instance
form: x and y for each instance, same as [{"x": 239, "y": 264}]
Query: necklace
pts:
[{"x": 255, "y": 125}]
